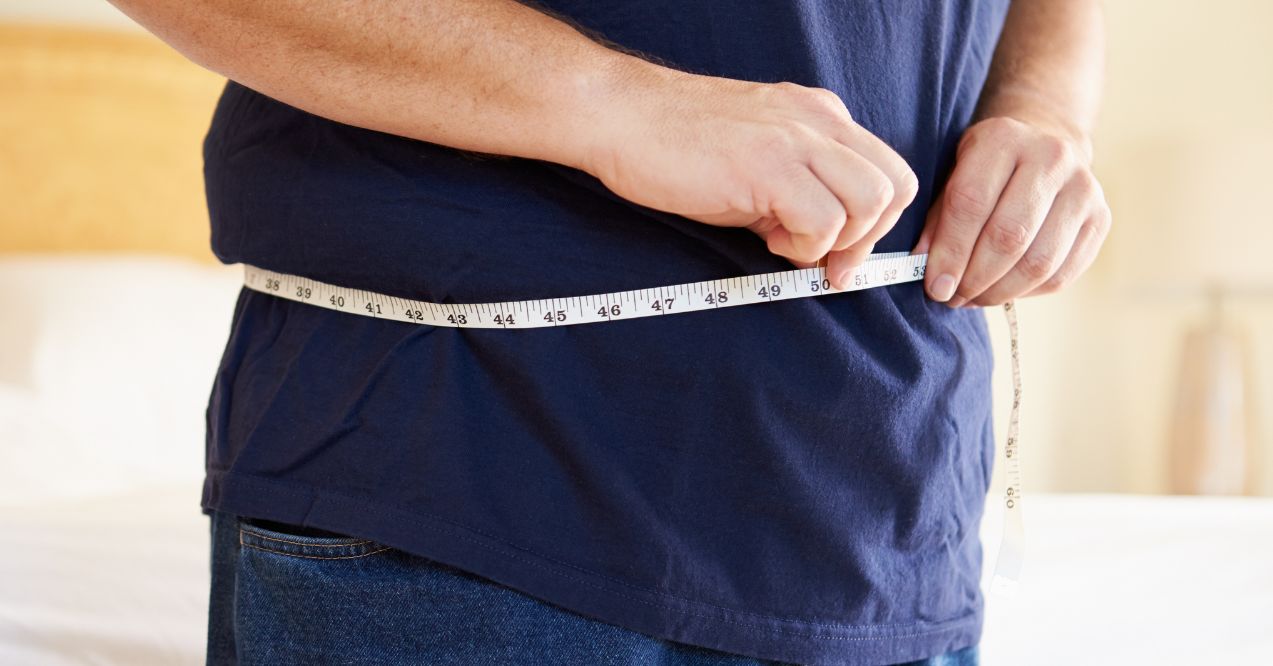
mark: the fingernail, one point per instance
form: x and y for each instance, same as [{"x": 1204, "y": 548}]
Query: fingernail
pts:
[
  {"x": 943, "y": 287},
  {"x": 842, "y": 279},
  {"x": 957, "y": 301}
]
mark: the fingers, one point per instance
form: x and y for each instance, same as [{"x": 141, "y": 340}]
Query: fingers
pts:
[
  {"x": 871, "y": 200},
  {"x": 870, "y": 181},
  {"x": 1022, "y": 214},
  {"x": 1045, "y": 254},
  {"x": 1011, "y": 228},
  {"x": 811, "y": 216},
  {"x": 841, "y": 263},
  {"x": 847, "y": 253},
  {"x": 904, "y": 183},
  {"x": 967, "y": 202},
  {"x": 1091, "y": 236}
]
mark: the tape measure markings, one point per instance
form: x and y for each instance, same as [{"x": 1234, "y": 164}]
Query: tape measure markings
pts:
[
  {"x": 877, "y": 270},
  {"x": 880, "y": 269}
]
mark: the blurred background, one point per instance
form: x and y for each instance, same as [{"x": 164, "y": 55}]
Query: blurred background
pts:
[{"x": 1153, "y": 376}]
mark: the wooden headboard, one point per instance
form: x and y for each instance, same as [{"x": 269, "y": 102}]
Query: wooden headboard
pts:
[{"x": 100, "y": 140}]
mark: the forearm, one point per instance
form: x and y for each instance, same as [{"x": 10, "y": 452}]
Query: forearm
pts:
[
  {"x": 785, "y": 161},
  {"x": 485, "y": 75},
  {"x": 1047, "y": 69}
]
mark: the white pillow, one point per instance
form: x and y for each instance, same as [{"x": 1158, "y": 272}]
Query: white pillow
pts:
[{"x": 106, "y": 363}]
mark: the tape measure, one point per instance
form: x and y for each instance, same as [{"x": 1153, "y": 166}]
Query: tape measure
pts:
[{"x": 877, "y": 270}]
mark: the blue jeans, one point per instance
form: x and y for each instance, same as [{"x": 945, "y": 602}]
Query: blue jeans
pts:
[{"x": 286, "y": 595}]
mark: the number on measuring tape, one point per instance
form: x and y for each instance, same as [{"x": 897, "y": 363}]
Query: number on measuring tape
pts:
[
  {"x": 718, "y": 298},
  {"x": 878, "y": 270}
]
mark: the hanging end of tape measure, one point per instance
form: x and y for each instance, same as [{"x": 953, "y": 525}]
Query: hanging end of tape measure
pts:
[
  {"x": 1004, "y": 586},
  {"x": 1006, "y": 581}
]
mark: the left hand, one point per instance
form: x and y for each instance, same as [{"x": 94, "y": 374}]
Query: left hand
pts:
[{"x": 1021, "y": 215}]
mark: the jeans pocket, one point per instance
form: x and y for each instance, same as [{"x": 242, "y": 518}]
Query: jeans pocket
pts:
[{"x": 304, "y": 543}]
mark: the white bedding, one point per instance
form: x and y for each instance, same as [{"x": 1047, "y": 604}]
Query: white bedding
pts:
[
  {"x": 1109, "y": 580},
  {"x": 105, "y": 368},
  {"x": 111, "y": 580},
  {"x": 1136, "y": 579}
]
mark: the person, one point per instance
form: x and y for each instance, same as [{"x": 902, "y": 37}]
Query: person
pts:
[{"x": 798, "y": 481}]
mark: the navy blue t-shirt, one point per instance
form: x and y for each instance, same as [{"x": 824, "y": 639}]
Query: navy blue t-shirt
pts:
[{"x": 800, "y": 480}]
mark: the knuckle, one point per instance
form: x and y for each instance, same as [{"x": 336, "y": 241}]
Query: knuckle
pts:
[
  {"x": 818, "y": 99},
  {"x": 1007, "y": 235},
  {"x": 1055, "y": 153},
  {"x": 1102, "y": 220},
  {"x": 1052, "y": 286},
  {"x": 832, "y": 221},
  {"x": 907, "y": 186},
  {"x": 1036, "y": 266},
  {"x": 1085, "y": 185},
  {"x": 967, "y": 204},
  {"x": 826, "y": 98},
  {"x": 823, "y": 220},
  {"x": 1063, "y": 278},
  {"x": 950, "y": 246},
  {"x": 789, "y": 88},
  {"x": 879, "y": 196}
]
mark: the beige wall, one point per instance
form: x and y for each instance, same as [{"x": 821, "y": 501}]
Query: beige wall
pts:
[
  {"x": 1183, "y": 150},
  {"x": 101, "y": 148}
]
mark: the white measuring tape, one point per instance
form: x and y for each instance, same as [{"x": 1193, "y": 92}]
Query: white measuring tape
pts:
[{"x": 878, "y": 270}]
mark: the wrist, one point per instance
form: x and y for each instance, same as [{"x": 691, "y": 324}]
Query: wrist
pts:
[
  {"x": 584, "y": 123},
  {"x": 1040, "y": 111},
  {"x": 616, "y": 101}
]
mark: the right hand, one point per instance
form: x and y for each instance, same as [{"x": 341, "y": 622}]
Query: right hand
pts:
[{"x": 783, "y": 160}]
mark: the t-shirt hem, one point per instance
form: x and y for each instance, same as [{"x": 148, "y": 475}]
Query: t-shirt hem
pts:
[{"x": 597, "y": 596}]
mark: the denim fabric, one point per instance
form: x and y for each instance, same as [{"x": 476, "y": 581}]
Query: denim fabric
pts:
[{"x": 307, "y": 597}]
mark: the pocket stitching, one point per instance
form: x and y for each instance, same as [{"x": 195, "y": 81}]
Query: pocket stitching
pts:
[
  {"x": 258, "y": 535},
  {"x": 311, "y": 557}
]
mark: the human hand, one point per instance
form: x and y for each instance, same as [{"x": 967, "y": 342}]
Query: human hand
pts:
[
  {"x": 1021, "y": 215},
  {"x": 785, "y": 161}
]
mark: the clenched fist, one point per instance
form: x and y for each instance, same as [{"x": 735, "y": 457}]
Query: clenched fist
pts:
[{"x": 785, "y": 161}]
